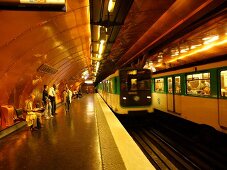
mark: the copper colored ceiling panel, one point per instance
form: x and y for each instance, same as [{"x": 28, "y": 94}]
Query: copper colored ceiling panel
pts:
[
  {"x": 180, "y": 14},
  {"x": 32, "y": 38},
  {"x": 207, "y": 42},
  {"x": 142, "y": 15}
]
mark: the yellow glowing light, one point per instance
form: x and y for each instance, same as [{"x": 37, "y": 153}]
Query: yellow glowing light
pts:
[
  {"x": 195, "y": 46},
  {"x": 97, "y": 66},
  {"x": 209, "y": 40},
  {"x": 184, "y": 50},
  {"x": 159, "y": 65},
  {"x": 97, "y": 46},
  {"x": 43, "y": 1},
  {"x": 205, "y": 48},
  {"x": 101, "y": 47},
  {"x": 170, "y": 61},
  {"x": 88, "y": 82},
  {"x": 98, "y": 32},
  {"x": 111, "y": 5}
]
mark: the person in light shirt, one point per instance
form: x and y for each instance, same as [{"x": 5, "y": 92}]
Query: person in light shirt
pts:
[
  {"x": 52, "y": 95},
  {"x": 67, "y": 96},
  {"x": 32, "y": 116}
]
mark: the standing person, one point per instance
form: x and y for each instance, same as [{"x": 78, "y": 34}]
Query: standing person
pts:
[
  {"x": 52, "y": 95},
  {"x": 64, "y": 98},
  {"x": 48, "y": 109},
  {"x": 68, "y": 98},
  {"x": 45, "y": 95}
]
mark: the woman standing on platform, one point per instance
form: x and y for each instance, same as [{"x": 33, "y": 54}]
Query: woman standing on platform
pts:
[{"x": 68, "y": 98}]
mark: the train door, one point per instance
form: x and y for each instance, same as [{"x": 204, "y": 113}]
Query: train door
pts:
[
  {"x": 177, "y": 94},
  {"x": 170, "y": 95},
  {"x": 173, "y": 95},
  {"x": 223, "y": 99}
]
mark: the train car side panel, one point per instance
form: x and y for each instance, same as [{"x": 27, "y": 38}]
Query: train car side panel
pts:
[
  {"x": 223, "y": 113},
  {"x": 178, "y": 103},
  {"x": 170, "y": 102},
  {"x": 159, "y": 101},
  {"x": 200, "y": 110},
  {"x": 202, "y": 97}
]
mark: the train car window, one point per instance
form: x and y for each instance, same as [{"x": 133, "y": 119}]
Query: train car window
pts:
[
  {"x": 177, "y": 85},
  {"x": 198, "y": 84},
  {"x": 170, "y": 85},
  {"x": 159, "y": 85},
  {"x": 223, "y": 83},
  {"x": 111, "y": 85},
  {"x": 105, "y": 86}
]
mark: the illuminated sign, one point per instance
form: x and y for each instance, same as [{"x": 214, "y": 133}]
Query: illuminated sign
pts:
[
  {"x": 43, "y": 1},
  {"x": 34, "y": 5}
]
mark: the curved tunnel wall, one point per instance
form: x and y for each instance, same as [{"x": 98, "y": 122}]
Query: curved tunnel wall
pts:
[{"x": 29, "y": 39}]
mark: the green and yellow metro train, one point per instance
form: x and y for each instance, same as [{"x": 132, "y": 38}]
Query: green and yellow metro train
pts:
[{"x": 197, "y": 93}]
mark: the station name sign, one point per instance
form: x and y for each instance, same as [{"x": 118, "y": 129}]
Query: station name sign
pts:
[
  {"x": 33, "y": 5},
  {"x": 42, "y": 1}
]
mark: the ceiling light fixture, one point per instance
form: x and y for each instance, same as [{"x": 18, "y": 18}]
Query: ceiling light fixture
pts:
[
  {"x": 111, "y": 5},
  {"x": 44, "y": 1},
  {"x": 88, "y": 82}
]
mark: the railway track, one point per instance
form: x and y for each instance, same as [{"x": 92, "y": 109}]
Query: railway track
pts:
[
  {"x": 166, "y": 148},
  {"x": 161, "y": 154}
]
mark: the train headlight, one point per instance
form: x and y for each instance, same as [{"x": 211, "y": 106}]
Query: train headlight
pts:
[
  {"x": 148, "y": 97},
  {"x": 124, "y": 98}
]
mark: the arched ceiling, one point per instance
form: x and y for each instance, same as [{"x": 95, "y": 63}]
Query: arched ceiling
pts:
[
  {"x": 151, "y": 25},
  {"x": 54, "y": 47},
  {"x": 58, "y": 40}
]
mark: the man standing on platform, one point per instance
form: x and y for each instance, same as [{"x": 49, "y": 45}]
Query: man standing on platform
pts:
[
  {"x": 45, "y": 95},
  {"x": 68, "y": 98},
  {"x": 52, "y": 95}
]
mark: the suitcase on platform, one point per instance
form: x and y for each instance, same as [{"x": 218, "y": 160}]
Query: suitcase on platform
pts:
[{"x": 7, "y": 115}]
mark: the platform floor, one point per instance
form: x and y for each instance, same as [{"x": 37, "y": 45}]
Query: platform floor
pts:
[
  {"x": 80, "y": 139},
  {"x": 67, "y": 141}
]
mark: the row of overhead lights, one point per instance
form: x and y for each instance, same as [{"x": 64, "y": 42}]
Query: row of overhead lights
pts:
[
  {"x": 101, "y": 46},
  {"x": 102, "y": 32},
  {"x": 207, "y": 43}
]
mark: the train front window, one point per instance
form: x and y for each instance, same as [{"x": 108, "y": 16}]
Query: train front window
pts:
[
  {"x": 198, "y": 84},
  {"x": 135, "y": 80},
  {"x": 135, "y": 87},
  {"x": 224, "y": 83}
]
